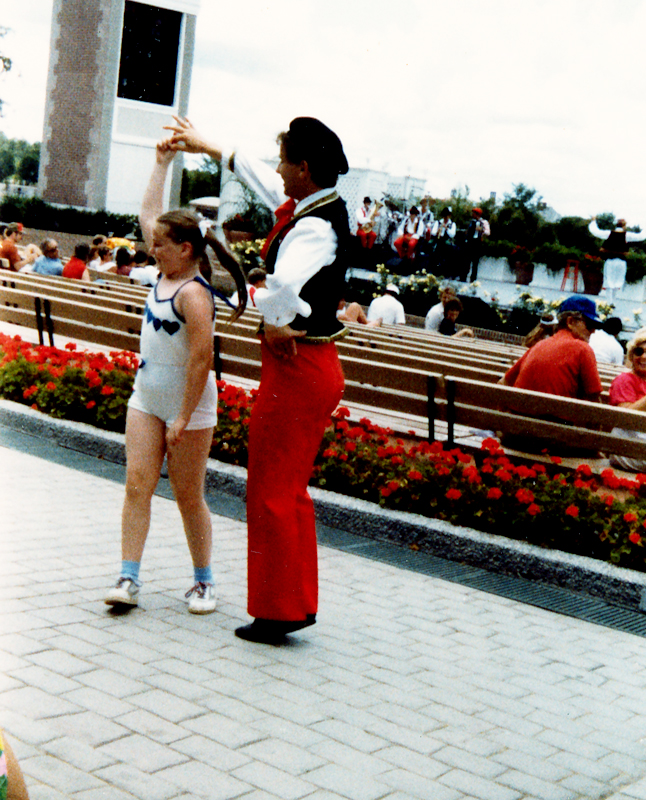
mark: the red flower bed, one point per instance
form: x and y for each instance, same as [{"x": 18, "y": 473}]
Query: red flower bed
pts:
[
  {"x": 602, "y": 516},
  {"x": 68, "y": 384},
  {"x": 541, "y": 504}
]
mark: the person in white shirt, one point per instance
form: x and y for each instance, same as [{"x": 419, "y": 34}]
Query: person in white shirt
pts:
[
  {"x": 103, "y": 261},
  {"x": 256, "y": 279},
  {"x": 444, "y": 229},
  {"x": 365, "y": 223},
  {"x": 478, "y": 229},
  {"x": 436, "y": 313},
  {"x": 387, "y": 308},
  {"x": 444, "y": 251},
  {"x": 410, "y": 232},
  {"x": 604, "y": 342},
  {"x": 614, "y": 250},
  {"x": 306, "y": 257}
]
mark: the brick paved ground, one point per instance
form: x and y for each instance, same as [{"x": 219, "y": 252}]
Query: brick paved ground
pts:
[{"x": 409, "y": 687}]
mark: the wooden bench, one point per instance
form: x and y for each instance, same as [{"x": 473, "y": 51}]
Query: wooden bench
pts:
[
  {"x": 462, "y": 400},
  {"x": 89, "y": 321},
  {"x": 69, "y": 289},
  {"x": 577, "y": 424},
  {"x": 424, "y": 385}
]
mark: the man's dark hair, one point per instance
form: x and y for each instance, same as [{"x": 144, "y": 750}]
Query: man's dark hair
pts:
[
  {"x": 82, "y": 251},
  {"x": 613, "y": 326},
  {"x": 141, "y": 257},
  {"x": 123, "y": 257},
  {"x": 256, "y": 275},
  {"x": 453, "y": 305},
  {"x": 311, "y": 141}
]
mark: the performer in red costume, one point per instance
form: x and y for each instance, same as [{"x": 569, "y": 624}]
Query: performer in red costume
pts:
[{"x": 302, "y": 382}]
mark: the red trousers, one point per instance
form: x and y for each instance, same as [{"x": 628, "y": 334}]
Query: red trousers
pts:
[
  {"x": 293, "y": 408},
  {"x": 405, "y": 246},
  {"x": 368, "y": 238}
]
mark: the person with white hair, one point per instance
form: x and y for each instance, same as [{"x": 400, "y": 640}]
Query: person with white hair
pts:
[
  {"x": 435, "y": 314},
  {"x": 387, "y": 308},
  {"x": 628, "y": 390}
]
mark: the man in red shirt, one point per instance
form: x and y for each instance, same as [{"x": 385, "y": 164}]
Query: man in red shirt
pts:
[
  {"x": 563, "y": 364},
  {"x": 9, "y": 248}
]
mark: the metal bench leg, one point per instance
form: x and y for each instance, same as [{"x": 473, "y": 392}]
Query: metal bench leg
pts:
[
  {"x": 450, "y": 412},
  {"x": 48, "y": 321},
  {"x": 431, "y": 385},
  {"x": 217, "y": 361},
  {"x": 39, "y": 320}
]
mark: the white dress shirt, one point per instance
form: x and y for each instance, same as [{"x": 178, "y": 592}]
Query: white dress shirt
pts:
[
  {"x": 307, "y": 247},
  {"x": 388, "y": 309},
  {"x": 449, "y": 230},
  {"x": 631, "y": 236},
  {"x": 606, "y": 348},
  {"x": 434, "y": 318}
]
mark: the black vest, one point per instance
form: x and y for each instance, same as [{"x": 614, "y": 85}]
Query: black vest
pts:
[
  {"x": 615, "y": 245},
  {"x": 325, "y": 289}
]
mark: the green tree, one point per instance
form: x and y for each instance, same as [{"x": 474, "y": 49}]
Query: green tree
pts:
[
  {"x": 7, "y": 164},
  {"x": 201, "y": 182},
  {"x": 19, "y": 160},
  {"x": 28, "y": 164},
  {"x": 519, "y": 219}
]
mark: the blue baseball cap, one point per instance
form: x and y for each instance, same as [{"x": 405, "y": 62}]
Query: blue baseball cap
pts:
[{"x": 577, "y": 303}]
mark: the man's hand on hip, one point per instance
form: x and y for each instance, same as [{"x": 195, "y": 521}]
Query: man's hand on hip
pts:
[{"x": 282, "y": 339}]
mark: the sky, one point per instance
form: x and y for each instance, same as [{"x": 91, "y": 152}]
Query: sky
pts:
[{"x": 548, "y": 93}]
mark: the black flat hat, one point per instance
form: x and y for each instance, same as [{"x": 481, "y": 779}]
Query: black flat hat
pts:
[{"x": 318, "y": 143}]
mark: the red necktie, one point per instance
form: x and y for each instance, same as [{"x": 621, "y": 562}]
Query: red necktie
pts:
[{"x": 284, "y": 215}]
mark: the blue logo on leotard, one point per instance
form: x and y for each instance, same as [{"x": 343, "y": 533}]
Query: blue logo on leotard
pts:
[{"x": 169, "y": 327}]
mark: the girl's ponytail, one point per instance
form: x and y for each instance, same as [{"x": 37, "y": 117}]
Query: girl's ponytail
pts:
[{"x": 232, "y": 266}]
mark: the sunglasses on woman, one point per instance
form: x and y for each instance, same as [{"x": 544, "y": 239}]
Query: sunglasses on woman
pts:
[{"x": 638, "y": 351}]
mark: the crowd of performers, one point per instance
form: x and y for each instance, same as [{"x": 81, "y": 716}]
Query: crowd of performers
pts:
[{"x": 418, "y": 239}]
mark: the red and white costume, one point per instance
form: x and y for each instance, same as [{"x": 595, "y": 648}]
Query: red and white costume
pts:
[{"x": 296, "y": 398}]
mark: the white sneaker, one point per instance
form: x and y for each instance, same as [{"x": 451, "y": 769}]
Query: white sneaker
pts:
[
  {"x": 201, "y": 598},
  {"x": 124, "y": 593}
]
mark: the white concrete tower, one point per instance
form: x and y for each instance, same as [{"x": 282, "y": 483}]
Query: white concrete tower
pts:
[{"x": 118, "y": 70}]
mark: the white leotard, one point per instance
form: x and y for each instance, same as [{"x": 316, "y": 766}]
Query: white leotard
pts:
[{"x": 161, "y": 377}]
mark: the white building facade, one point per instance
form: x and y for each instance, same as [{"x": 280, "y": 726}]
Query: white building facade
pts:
[{"x": 118, "y": 71}]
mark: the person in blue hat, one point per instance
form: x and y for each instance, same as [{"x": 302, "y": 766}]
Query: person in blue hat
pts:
[{"x": 565, "y": 363}]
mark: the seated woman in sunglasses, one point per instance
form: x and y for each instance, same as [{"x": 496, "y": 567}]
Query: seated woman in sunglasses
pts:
[{"x": 628, "y": 390}]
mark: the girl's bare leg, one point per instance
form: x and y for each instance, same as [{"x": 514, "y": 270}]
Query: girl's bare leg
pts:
[
  {"x": 145, "y": 448},
  {"x": 186, "y": 471}
]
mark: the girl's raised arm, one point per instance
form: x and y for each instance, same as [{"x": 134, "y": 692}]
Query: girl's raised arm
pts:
[{"x": 153, "y": 203}]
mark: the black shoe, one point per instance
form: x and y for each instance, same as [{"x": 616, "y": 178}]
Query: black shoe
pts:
[{"x": 272, "y": 631}]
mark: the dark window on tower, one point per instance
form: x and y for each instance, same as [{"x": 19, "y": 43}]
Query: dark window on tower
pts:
[{"x": 149, "y": 53}]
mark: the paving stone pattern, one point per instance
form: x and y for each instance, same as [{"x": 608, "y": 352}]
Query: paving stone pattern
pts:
[{"x": 408, "y": 687}]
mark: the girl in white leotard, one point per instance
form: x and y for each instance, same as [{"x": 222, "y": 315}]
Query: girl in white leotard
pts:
[{"x": 174, "y": 404}]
